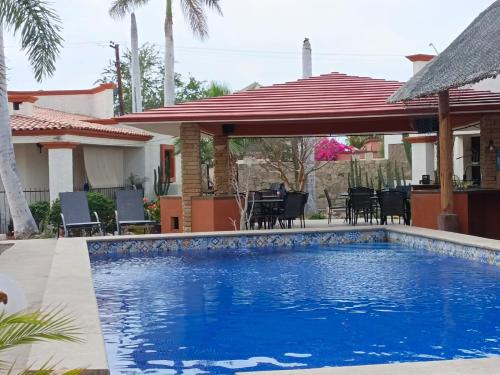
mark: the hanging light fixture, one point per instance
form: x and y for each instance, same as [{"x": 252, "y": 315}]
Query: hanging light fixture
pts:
[{"x": 491, "y": 146}]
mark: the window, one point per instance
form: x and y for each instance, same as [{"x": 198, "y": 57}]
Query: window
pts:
[
  {"x": 17, "y": 106},
  {"x": 167, "y": 159}
]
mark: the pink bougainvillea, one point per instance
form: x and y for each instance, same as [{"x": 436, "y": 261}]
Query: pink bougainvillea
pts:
[{"x": 328, "y": 149}]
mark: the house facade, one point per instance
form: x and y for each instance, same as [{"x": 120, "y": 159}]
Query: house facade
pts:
[{"x": 68, "y": 140}]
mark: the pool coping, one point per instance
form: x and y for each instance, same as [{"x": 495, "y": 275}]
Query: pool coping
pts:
[{"x": 70, "y": 280}]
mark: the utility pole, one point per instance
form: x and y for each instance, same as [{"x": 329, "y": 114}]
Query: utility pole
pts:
[{"x": 118, "y": 66}]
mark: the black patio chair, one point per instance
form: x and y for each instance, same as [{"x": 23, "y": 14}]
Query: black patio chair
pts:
[
  {"x": 393, "y": 203},
  {"x": 130, "y": 209},
  {"x": 305, "y": 198},
  {"x": 332, "y": 207},
  {"x": 255, "y": 210},
  {"x": 406, "y": 189},
  {"x": 361, "y": 202},
  {"x": 75, "y": 213},
  {"x": 292, "y": 209}
]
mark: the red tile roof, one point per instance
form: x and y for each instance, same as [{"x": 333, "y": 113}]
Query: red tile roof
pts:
[
  {"x": 333, "y": 96},
  {"x": 93, "y": 90},
  {"x": 50, "y": 122}
]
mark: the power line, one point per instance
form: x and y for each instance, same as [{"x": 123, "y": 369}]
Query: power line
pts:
[{"x": 254, "y": 52}]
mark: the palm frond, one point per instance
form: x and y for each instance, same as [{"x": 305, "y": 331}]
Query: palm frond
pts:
[
  {"x": 28, "y": 328},
  {"x": 213, "y": 4},
  {"x": 40, "y": 28},
  {"x": 119, "y": 8},
  {"x": 194, "y": 11}
]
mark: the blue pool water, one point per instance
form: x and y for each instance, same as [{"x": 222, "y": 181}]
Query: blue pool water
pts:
[{"x": 219, "y": 312}]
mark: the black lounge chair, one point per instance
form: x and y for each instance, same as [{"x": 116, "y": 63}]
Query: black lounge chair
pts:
[
  {"x": 130, "y": 209},
  {"x": 75, "y": 213}
]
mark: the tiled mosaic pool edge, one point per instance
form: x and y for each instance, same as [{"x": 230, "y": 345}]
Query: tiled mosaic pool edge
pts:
[
  {"x": 158, "y": 244},
  {"x": 237, "y": 241},
  {"x": 446, "y": 247}
]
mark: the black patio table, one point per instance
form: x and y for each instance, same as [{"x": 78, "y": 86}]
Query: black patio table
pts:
[{"x": 271, "y": 209}]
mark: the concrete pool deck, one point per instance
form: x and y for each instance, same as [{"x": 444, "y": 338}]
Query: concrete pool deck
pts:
[{"x": 57, "y": 272}]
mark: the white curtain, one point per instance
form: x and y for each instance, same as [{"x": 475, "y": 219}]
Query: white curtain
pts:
[{"x": 104, "y": 166}]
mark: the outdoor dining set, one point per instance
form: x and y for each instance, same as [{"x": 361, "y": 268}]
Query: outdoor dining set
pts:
[
  {"x": 275, "y": 206},
  {"x": 371, "y": 204}
]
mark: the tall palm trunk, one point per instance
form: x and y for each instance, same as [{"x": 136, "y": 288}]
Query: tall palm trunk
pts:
[
  {"x": 136, "y": 69},
  {"x": 169, "y": 90},
  {"x": 24, "y": 225}
]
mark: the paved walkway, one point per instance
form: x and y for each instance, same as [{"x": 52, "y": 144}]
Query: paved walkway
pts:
[{"x": 28, "y": 263}]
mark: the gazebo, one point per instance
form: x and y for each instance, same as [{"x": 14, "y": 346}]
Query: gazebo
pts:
[
  {"x": 471, "y": 58},
  {"x": 331, "y": 104}
]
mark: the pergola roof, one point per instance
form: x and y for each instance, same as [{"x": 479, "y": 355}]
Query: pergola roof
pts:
[
  {"x": 472, "y": 57},
  {"x": 328, "y": 104}
]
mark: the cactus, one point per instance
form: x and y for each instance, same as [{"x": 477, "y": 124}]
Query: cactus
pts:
[
  {"x": 359, "y": 175},
  {"x": 162, "y": 185},
  {"x": 390, "y": 178},
  {"x": 381, "y": 182},
  {"x": 396, "y": 174}
]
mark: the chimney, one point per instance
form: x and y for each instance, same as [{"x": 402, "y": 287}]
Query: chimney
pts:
[
  {"x": 21, "y": 104},
  {"x": 306, "y": 59},
  {"x": 419, "y": 61}
]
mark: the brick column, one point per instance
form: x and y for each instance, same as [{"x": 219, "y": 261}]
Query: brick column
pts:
[
  {"x": 221, "y": 164},
  {"x": 191, "y": 169},
  {"x": 490, "y": 130}
]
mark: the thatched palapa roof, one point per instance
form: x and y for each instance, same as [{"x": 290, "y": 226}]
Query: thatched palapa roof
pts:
[{"x": 472, "y": 57}]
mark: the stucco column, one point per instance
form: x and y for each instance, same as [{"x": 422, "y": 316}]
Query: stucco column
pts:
[
  {"x": 422, "y": 157},
  {"x": 221, "y": 164},
  {"x": 191, "y": 169},
  {"x": 60, "y": 167},
  {"x": 458, "y": 157}
]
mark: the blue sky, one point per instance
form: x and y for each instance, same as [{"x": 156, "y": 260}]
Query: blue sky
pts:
[{"x": 258, "y": 40}]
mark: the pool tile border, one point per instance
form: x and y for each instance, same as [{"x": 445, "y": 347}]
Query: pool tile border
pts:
[
  {"x": 236, "y": 241},
  {"x": 444, "y": 247},
  {"x": 472, "y": 248}
]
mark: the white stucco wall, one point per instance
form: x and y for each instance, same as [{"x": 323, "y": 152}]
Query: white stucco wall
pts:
[
  {"x": 98, "y": 105},
  {"x": 60, "y": 171},
  {"x": 32, "y": 166},
  {"x": 152, "y": 161},
  {"x": 423, "y": 161},
  {"x": 134, "y": 162}
]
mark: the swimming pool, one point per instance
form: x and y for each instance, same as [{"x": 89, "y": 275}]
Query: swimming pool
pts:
[{"x": 268, "y": 309}]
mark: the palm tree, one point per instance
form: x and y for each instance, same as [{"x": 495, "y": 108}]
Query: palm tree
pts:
[
  {"x": 39, "y": 29},
  {"x": 29, "y": 328},
  {"x": 194, "y": 11},
  {"x": 118, "y": 10}
]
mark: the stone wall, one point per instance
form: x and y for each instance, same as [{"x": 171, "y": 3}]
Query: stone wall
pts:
[{"x": 332, "y": 176}]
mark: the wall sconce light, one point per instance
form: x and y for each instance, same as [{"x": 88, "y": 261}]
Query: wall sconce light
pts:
[
  {"x": 491, "y": 146},
  {"x": 40, "y": 147}
]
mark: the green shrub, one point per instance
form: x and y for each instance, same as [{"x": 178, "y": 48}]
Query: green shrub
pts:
[
  {"x": 104, "y": 206},
  {"x": 317, "y": 216},
  {"x": 40, "y": 211}
]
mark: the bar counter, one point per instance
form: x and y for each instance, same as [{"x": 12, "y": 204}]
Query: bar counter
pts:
[{"x": 478, "y": 210}]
